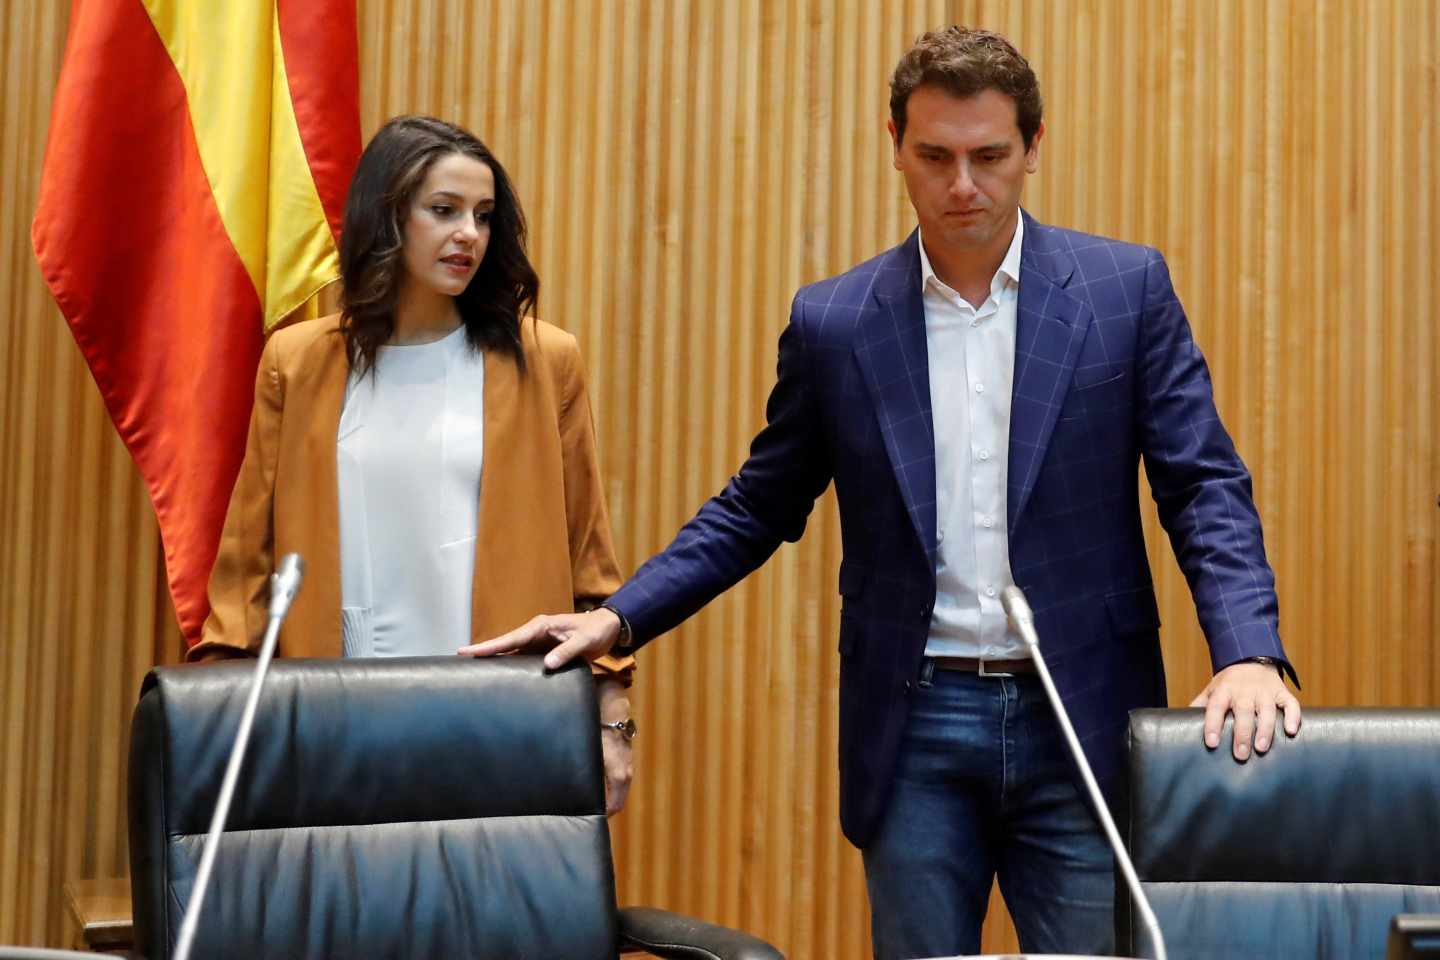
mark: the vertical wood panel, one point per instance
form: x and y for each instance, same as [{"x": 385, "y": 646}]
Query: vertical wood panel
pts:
[
  {"x": 685, "y": 166},
  {"x": 79, "y": 553}
]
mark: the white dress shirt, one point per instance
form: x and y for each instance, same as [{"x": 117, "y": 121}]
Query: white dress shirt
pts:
[
  {"x": 408, "y": 458},
  {"x": 972, "y": 366}
]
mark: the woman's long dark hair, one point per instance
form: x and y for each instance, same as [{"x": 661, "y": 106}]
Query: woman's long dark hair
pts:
[{"x": 392, "y": 168}]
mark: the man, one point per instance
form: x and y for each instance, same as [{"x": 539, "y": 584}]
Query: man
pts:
[{"x": 981, "y": 396}]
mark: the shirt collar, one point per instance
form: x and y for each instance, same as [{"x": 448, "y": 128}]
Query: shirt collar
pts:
[{"x": 1009, "y": 267}]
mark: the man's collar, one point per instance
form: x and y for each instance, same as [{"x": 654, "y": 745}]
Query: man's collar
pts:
[{"x": 1010, "y": 266}]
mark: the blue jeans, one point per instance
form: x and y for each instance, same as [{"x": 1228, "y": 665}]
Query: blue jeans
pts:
[{"x": 984, "y": 787}]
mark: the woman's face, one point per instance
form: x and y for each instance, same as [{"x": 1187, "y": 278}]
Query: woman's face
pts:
[{"x": 447, "y": 227}]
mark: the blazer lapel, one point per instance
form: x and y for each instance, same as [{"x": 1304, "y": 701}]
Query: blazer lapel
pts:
[
  {"x": 503, "y": 398},
  {"x": 892, "y": 353},
  {"x": 522, "y": 539},
  {"x": 1051, "y": 324},
  {"x": 515, "y": 473}
]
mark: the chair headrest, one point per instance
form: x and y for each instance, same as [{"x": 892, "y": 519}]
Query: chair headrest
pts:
[
  {"x": 360, "y": 741},
  {"x": 1354, "y": 798}
]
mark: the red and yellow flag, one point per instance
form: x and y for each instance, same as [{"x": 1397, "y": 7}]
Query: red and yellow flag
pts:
[{"x": 194, "y": 181}]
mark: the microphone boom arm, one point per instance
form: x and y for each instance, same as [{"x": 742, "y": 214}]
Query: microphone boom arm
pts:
[
  {"x": 284, "y": 584},
  {"x": 1019, "y": 610}
]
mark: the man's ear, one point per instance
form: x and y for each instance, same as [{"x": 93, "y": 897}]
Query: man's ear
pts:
[
  {"x": 1032, "y": 155},
  {"x": 894, "y": 143}
]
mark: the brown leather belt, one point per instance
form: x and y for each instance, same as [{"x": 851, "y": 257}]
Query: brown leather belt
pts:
[{"x": 985, "y": 667}]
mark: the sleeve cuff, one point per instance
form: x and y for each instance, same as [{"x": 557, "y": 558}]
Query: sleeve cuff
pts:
[
  {"x": 210, "y": 651},
  {"x": 614, "y": 668}
]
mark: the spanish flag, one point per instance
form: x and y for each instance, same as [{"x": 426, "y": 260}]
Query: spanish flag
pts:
[{"x": 194, "y": 180}]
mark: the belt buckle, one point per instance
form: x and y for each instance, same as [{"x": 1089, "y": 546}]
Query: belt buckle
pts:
[{"x": 990, "y": 673}]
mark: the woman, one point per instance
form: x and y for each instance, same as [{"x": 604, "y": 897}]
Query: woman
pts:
[{"x": 430, "y": 451}]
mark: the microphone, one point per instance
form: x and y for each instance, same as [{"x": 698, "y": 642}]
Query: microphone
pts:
[
  {"x": 284, "y": 585},
  {"x": 1018, "y": 610}
]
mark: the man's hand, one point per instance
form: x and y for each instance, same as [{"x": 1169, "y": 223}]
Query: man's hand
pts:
[
  {"x": 614, "y": 748},
  {"x": 571, "y": 635},
  {"x": 1250, "y": 691}
]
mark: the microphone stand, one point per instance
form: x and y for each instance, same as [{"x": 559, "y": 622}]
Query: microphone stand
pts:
[
  {"x": 284, "y": 584},
  {"x": 1018, "y": 609}
]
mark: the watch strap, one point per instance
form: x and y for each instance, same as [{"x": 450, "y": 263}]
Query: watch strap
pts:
[
  {"x": 1269, "y": 662},
  {"x": 626, "y": 641}
]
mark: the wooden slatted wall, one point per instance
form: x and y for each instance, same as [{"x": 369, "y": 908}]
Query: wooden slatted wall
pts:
[{"x": 685, "y": 166}]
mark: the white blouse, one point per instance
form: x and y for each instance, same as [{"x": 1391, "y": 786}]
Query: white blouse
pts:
[{"x": 408, "y": 457}]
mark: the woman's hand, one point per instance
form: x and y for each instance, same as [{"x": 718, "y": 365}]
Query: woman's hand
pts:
[{"x": 616, "y": 750}]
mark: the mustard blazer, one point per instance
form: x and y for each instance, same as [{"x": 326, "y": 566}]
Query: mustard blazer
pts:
[{"x": 543, "y": 543}]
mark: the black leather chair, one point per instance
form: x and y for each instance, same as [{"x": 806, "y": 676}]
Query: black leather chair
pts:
[
  {"x": 1306, "y": 851},
  {"x": 437, "y": 807}
]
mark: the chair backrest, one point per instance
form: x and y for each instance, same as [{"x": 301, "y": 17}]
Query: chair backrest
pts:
[
  {"x": 411, "y": 807},
  {"x": 1305, "y": 851}
]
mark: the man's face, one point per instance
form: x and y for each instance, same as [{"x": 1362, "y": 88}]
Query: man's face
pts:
[{"x": 964, "y": 163}]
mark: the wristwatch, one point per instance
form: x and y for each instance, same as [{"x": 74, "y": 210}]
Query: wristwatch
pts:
[
  {"x": 626, "y": 640},
  {"x": 626, "y": 728}
]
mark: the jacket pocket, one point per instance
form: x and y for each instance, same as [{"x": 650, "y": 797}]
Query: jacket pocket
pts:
[
  {"x": 1100, "y": 397},
  {"x": 1133, "y": 611},
  {"x": 1097, "y": 384},
  {"x": 853, "y": 577}
]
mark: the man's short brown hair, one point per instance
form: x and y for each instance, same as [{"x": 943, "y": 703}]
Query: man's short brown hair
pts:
[{"x": 964, "y": 62}]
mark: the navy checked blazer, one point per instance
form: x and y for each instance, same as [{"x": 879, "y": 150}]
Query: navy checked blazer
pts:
[{"x": 1106, "y": 372}]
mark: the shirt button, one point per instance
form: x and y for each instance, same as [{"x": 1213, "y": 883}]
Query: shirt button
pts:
[
  {"x": 979, "y": 388},
  {"x": 984, "y": 454},
  {"x": 989, "y": 591},
  {"x": 988, "y": 521}
]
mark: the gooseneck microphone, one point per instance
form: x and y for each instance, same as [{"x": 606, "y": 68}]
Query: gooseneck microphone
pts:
[
  {"x": 1018, "y": 610},
  {"x": 284, "y": 584}
]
